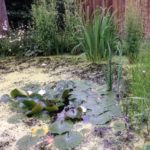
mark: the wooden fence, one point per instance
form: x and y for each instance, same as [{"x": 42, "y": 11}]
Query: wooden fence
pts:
[{"x": 121, "y": 8}]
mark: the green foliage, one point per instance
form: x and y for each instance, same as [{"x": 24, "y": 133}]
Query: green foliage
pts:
[
  {"x": 98, "y": 35},
  {"x": 44, "y": 26},
  {"x": 68, "y": 141},
  {"x": 137, "y": 106},
  {"x": 134, "y": 33},
  {"x": 43, "y": 37},
  {"x": 70, "y": 101},
  {"x": 18, "y": 43},
  {"x": 48, "y": 38},
  {"x": 18, "y": 93}
]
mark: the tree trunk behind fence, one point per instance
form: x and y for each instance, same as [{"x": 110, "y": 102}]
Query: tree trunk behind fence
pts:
[{"x": 3, "y": 18}]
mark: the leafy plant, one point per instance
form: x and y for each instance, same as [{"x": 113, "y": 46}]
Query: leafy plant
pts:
[
  {"x": 54, "y": 27},
  {"x": 134, "y": 32},
  {"x": 98, "y": 34},
  {"x": 137, "y": 106}
]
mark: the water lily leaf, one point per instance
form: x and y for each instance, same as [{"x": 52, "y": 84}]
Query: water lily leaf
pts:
[
  {"x": 26, "y": 142},
  {"x": 96, "y": 109},
  {"x": 60, "y": 127},
  {"x": 30, "y": 104},
  {"x": 115, "y": 110},
  {"x": 101, "y": 119},
  {"x": 110, "y": 99},
  {"x": 73, "y": 113},
  {"x": 17, "y": 118},
  {"x": 68, "y": 141},
  {"x": 118, "y": 125},
  {"x": 51, "y": 109},
  {"x": 36, "y": 95},
  {"x": 18, "y": 93},
  {"x": 147, "y": 146},
  {"x": 35, "y": 110}
]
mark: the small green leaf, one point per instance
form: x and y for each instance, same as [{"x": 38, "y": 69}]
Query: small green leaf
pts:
[
  {"x": 66, "y": 94},
  {"x": 18, "y": 93},
  {"x": 30, "y": 104},
  {"x": 52, "y": 109},
  {"x": 36, "y": 110}
]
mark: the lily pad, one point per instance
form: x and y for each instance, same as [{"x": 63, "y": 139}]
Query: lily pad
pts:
[
  {"x": 96, "y": 109},
  {"x": 18, "y": 93},
  {"x": 115, "y": 110},
  {"x": 17, "y": 118},
  {"x": 101, "y": 119},
  {"x": 68, "y": 141},
  {"x": 118, "y": 125},
  {"x": 27, "y": 141},
  {"x": 30, "y": 104},
  {"x": 147, "y": 146},
  {"x": 60, "y": 127}
]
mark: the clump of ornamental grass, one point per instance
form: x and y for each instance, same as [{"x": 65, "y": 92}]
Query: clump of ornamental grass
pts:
[{"x": 98, "y": 35}]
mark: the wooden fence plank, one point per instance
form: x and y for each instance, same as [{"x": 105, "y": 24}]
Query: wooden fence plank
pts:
[{"x": 120, "y": 7}]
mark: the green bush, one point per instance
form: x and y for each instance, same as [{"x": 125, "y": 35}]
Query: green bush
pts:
[
  {"x": 134, "y": 33},
  {"x": 43, "y": 37},
  {"x": 48, "y": 38},
  {"x": 14, "y": 43},
  {"x": 98, "y": 35}
]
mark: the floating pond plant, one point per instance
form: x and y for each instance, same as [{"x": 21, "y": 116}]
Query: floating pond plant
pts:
[{"x": 68, "y": 102}]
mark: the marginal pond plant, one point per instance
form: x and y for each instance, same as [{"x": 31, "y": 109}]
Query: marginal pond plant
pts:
[{"x": 98, "y": 33}]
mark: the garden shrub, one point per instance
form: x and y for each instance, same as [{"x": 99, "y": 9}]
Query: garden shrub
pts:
[
  {"x": 50, "y": 36},
  {"x": 42, "y": 36},
  {"x": 14, "y": 43},
  {"x": 134, "y": 32}
]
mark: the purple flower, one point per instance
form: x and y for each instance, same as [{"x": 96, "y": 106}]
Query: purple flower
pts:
[
  {"x": 107, "y": 143},
  {"x": 86, "y": 119}
]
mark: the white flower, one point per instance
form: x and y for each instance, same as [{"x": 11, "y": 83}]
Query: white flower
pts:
[
  {"x": 144, "y": 71},
  {"x": 42, "y": 92},
  {"x": 30, "y": 92},
  {"x": 84, "y": 110},
  {"x": 43, "y": 65}
]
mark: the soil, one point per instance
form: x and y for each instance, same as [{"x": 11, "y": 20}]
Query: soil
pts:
[{"x": 21, "y": 72}]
